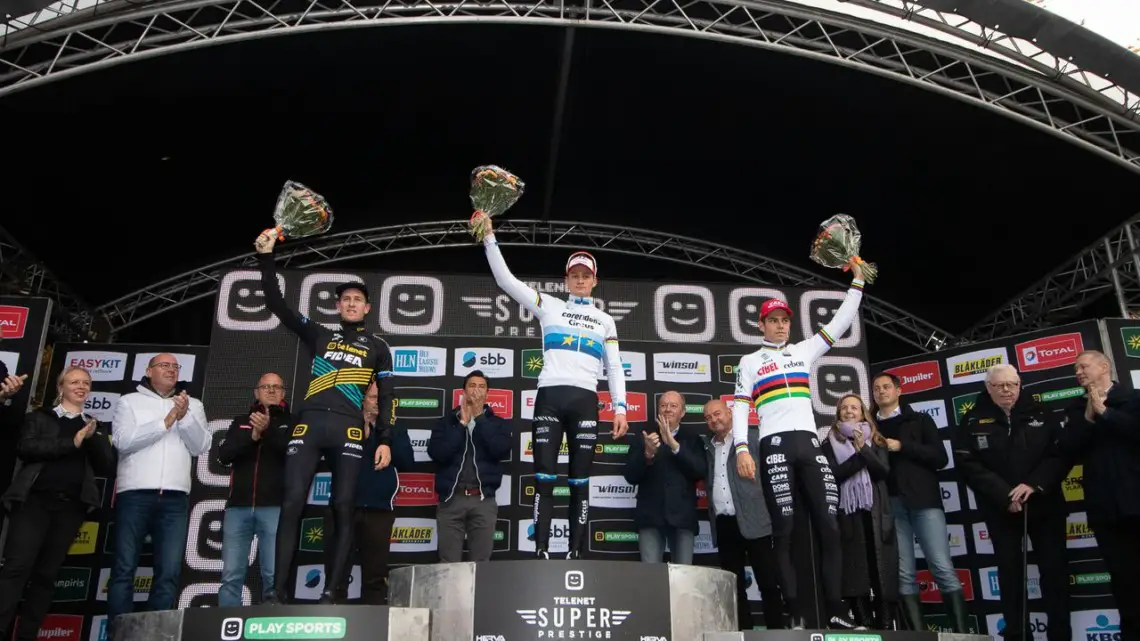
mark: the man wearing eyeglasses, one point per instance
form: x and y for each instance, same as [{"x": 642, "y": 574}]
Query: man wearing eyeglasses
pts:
[
  {"x": 1007, "y": 451},
  {"x": 254, "y": 450},
  {"x": 156, "y": 430}
]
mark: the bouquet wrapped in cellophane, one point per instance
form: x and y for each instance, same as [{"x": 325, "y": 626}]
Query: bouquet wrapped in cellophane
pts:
[
  {"x": 838, "y": 243},
  {"x": 493, "y": 191},
  {"x": 301, "y": 212}
]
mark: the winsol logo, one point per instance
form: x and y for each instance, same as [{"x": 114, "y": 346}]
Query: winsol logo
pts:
[
  {"x": 612, "y": 492},
  {"x": 13, "y": 322},
  {"x": 918, "y": 377},
  {"x": 103, "y": 366},
  {"x": 635, "y": 410},
  {"x": 502, "y": 401},
  {"x": 416, "y": 488},
  {"x": 1049, "y": 352}
]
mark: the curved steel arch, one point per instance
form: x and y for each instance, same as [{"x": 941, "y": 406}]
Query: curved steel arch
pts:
[
  {"x": 174, "y": 292},
  {"x": 1023, "y": 82}
]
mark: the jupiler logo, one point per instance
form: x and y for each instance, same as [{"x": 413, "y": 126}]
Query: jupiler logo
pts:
[{"x": 512, "y": 319}]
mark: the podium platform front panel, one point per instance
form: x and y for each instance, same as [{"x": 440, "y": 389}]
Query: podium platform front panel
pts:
[
  {"x": 269, "y": 622},
  {"x": 525, "y": 600},
  {"x": 839, "y": 635}
]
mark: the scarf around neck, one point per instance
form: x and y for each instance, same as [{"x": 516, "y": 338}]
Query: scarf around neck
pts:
[{"x": 856, "y": 493}]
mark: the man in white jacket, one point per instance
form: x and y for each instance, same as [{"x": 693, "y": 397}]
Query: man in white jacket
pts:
[{"x": 156, "y": 431}]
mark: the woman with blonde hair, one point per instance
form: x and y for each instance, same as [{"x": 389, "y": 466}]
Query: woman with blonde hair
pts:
[
  {"x": 858, "y": 457},
  {"x": 54, "y": 487}
]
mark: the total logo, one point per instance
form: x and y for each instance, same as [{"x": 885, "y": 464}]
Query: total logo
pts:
[
  {"x": 103, "y": 366},
  {"x": 414, "y": 360},
  {"x": 501, "y": 401},
  {"x": 1049, "y": 352},
  {"x": 101, "y": 405},
  {"x": 13, "y": 321},
  {"x": 636, "y": 409},
  {"x": 918, "y": 377},
  {"x": 494, "y": 362},
  {"x": 416, "y": 488}
]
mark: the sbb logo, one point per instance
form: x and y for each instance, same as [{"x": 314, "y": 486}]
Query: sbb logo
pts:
[
  {"x": 101, "y": 405},
  {"x": 918, "y": 377}
]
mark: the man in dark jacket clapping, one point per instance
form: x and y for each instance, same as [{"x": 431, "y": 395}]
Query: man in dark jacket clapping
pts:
[
  {"x": 1007, "y": 451},
  {"x": 468, "y": 445},
  {"x": 1102, "y": 430},
  {"x": 254, "y": 450}
]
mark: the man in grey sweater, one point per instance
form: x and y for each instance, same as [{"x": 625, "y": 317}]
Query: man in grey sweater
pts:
[{"x": 741, "y": 527}]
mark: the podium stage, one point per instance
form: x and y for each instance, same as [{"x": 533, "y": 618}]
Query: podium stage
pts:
[
  {"x": 343, "y": 622},
  {"x": 530, "y": 600},
  {"x": 839, "y": 635}
]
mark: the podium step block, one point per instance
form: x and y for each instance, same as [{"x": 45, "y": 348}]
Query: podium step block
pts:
[
  {"x": 267, "y": 622},
  {"x": 579, "y": 600},
  {"x": 840, "y": 635}
]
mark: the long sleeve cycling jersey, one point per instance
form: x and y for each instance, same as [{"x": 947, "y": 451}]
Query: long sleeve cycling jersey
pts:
[
  {"x": 775, "y": 379},
  {"x": 345, "y": 361},
  {"x": 576, "y": 335}
]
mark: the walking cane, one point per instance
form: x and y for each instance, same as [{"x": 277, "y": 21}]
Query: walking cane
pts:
[{"x": 1026, "y": 634}]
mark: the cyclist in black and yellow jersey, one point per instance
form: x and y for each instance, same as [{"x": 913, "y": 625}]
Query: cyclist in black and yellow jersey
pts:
[{"x": 346, "y": 361}]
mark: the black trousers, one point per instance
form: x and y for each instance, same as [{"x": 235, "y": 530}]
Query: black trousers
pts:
[
  {"x": 373, "y": 543},
  {"x": 1047, "y": 532},
  {"x": 340, "y": 438},
  {"x": 1117, "y": 543},
  {"x": 571, "y": 411},
  {"x": 732, "y": 550},
  {"x": 40, "y": 531}
]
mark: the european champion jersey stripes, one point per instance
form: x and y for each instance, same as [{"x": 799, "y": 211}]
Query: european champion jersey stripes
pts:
[
  {"x": 577, "y": 337},
  {"x": 775, "y": 379}
]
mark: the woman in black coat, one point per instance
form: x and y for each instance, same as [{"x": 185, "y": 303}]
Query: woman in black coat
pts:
[{"x": 858, "y": 457}]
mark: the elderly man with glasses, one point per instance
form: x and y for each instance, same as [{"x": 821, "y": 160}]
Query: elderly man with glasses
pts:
[
  {"x": 254, "y": 450},
  {"x": 1007, "y": 451}
]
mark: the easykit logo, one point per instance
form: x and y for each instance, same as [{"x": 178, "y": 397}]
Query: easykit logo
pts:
[
  {"x": 726, "y": 366},
  {"x": 971, "y": 367},
  {"x": 502, "y": 401},
  {"x": 13, "y": 321},
  {"x": 71, "y": 584},
  {"x": 632, "y": 365},
  {"x": 492, "y": 361},
  {"x": 186, "y": 374},
  {"x": 532, "y": 363},
  {"x": 936, "y": 410},
  {"x": 1048, "y": 352},
  {"x": 982, "y": 542},
  {"x": 963, "y": 405},
  {"x": 414, "y": 535},
  {"x": 918, "y": 377},
  {"x": 103, "y": 366},
  {"x": 682, "y": 367},
  {"x": 284, "y": 628},
  {"x": 420, "y": 402},
  {"x": 613, "y": 536},
  {"x": 928, "y": 589},
  {"x": 694, "y": 407},
  {"x": 101, "y": 405},
  {"x": 416, "y": 488},
  {"x": 61, "y": 627},
  {"x": 636, "y": 409},
  {"x": 730, "y": 401},
  {"x": 526, "y": 410},
  {"x": 528, "y": 489},
  {"x": 612, "y": 492},
  {"x": 415, "y": 360}
]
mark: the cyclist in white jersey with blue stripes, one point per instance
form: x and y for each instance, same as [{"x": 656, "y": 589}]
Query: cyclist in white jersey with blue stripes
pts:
[{"x": 576, "y": 338}]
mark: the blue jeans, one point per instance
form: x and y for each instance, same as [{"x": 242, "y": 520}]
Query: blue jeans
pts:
[
  {"x": 929, "y": 527},
  {"x": 162, "y": 516},
  {"x": 238, "y": 529},
  {"x": 651, "y": 543}
]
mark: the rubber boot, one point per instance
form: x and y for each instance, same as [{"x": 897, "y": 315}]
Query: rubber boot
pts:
[
  {"x": 912, "y": 611},
  {"x": 886, "y": 615},
  {"x": 956, "y": 607}
]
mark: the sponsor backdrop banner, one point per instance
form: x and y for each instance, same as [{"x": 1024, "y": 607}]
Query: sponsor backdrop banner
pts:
[
  {"x": 1122, "y": 337},
  {"x": 685, "y": 337},
  {"x": 23, "y": 330},
  {"x": 80, "y": 604},
  {"x": 945, "y": 385}
]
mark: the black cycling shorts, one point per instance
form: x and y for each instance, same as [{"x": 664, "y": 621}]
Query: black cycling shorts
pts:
[{"x": 564, "y": 410}]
